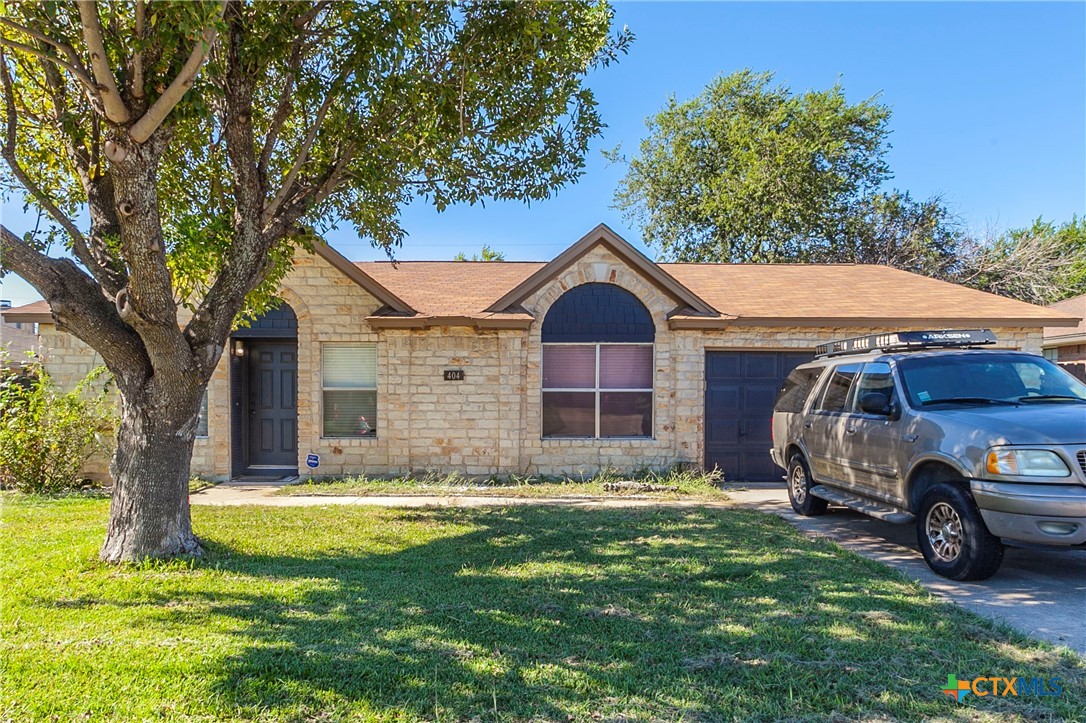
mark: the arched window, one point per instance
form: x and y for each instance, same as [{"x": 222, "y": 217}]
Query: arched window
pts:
[{"x": 598, "y": 365}]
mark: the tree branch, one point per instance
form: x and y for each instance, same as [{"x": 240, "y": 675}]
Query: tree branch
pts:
[
  {"x": 55, "y": 91},
  {"x": 8, "y": 153},
  {"x": 75, "y": 64},
  {"x": 303, "y": 154},
  {"x": 137, "y": 57},
  {"x": 115, "y": 109},
  {"x": 152, "y": 119},
  {"x": 77, "y": 304},
  {"x": 333, "y": 177},
  {"x": 246, "y": 263},
  {"x": 282, "y": 112},
  {"x": 79, "y": 74},
  {"x": 80, "y": 247}
]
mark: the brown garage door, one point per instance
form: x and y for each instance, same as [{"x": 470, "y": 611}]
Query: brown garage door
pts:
[{"x": 740, "y": 387}]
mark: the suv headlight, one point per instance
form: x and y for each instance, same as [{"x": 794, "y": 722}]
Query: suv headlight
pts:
[{"x": 1025, "y": 463}]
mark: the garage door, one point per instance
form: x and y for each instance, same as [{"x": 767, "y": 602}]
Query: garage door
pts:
[{"x": 740, "y": 387}]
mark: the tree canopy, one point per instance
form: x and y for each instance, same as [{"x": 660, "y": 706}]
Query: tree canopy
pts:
[
  {"x": 1040, "y": 264},
  {"x": 749, "y": 171},
  {"x": 182, "y": 151}
]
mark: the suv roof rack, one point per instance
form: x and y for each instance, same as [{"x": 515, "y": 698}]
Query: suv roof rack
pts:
[{"x": 907, "y": 341}]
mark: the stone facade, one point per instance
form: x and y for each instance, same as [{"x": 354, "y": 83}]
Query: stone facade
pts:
[{"x": 490, "y": 422}]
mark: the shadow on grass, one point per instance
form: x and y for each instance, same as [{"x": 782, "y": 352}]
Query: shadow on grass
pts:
[{"x": 551, "y": 613}]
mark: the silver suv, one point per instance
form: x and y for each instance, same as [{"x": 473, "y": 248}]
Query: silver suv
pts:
[{"x": 977, "y": 447}]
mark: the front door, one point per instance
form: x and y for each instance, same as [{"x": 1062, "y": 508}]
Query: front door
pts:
[{"x": 273, "y": 412}]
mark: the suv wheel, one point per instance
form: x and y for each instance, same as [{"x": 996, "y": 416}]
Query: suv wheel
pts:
[
  {"x": 800, "y": 483},
  {"x": 952, "y": 535}
]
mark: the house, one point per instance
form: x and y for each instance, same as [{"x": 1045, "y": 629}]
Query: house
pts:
[
  {"x": 18, "y": 340},
  {"x": 598, "y": 358},
  {"x": 1067, "y": 344}
]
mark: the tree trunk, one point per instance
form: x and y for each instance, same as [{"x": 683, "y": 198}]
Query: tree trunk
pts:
[{"x": 149, "y": 509}]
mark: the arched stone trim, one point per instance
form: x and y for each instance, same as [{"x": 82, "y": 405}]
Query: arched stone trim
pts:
[
  {"x": 301, "y": 309},
  {"x": 599, "y": 265}
]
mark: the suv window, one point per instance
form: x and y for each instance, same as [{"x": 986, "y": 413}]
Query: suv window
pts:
[
  {"x": 835, "y": 395},
  {"x": 797, "y": 387},
  {"x": 1005, "y": 377},
  {"x": 876, "y": 377}
]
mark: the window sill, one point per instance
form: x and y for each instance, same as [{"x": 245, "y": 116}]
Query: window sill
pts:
[{"x": 352, "y": 438}]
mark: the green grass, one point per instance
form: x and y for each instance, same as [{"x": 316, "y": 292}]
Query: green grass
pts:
[
  {"x": 547, "y": 613},
  {"x": 671, "y": 484}
]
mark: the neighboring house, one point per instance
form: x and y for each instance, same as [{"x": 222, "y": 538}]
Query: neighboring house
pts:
[
  {"x": 19, "y": 339},
  {"x": 1067, "y": 343},
  {"x": 599, "y": 358}
]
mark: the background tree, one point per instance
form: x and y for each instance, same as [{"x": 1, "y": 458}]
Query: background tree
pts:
[
  {"x": 487, "y": 254},
  {"x": 748, "y": 171},
  {"x": 181, "y": 151},
  {"x": 1040, "y": 264},
  {"x": 896, "y": 230}
]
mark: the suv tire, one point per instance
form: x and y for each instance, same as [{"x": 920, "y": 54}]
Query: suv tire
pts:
[
  {"x": 952, "y": 535},
  {"x": 800, "y": 483}
]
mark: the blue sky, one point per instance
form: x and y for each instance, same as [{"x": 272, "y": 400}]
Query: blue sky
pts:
[{"x": 988, "y": 99}]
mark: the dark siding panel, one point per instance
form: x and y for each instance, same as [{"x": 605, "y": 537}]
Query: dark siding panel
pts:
[
  {"x": 740, "y": 387},
  {"x": 598, "y": 313},
  {"x": 277, "y": 323}
]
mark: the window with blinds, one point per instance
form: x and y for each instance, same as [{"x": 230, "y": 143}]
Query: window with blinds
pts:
[
  {"x": 597, "y": 390},
  {"x": 349, "y": 384}
]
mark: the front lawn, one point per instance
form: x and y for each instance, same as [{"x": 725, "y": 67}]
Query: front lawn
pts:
[
  {"x": 671, "y": 484},
  {"x": 546, "y": 613}
]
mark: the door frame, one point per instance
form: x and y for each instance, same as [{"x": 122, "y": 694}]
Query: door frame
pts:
[{"x": 278, "y": 325}]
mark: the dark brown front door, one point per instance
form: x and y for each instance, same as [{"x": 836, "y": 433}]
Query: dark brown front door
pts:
[{"x": 273, "y": 411}]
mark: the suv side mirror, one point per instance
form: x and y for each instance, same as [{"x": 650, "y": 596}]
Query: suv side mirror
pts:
[{"x": 875, "y": 403}]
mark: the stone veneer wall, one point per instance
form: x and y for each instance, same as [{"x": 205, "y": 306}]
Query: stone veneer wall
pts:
[{"x": 490, "y": 422}]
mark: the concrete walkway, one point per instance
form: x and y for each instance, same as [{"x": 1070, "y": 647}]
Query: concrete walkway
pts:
[{"x": 1041, "y": 593}]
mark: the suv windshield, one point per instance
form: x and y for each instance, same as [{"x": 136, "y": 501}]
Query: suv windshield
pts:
[{"x": 987, "y": 378}]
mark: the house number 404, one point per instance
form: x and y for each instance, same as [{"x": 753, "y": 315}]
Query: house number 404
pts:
[{"x": 454, "y": 375}]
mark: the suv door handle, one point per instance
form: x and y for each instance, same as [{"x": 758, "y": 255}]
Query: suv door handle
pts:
[
  {"x": 850, "y": 430},
  {"x": 808, "y": 425}
]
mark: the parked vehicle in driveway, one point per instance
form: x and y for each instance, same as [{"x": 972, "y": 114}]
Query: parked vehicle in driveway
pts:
[{"x": 979, "y": 448}]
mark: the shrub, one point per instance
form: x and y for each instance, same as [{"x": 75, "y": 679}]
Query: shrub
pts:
[{"x": 47, "y": 435}]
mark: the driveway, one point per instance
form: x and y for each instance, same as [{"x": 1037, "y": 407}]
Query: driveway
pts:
[{"x": 1039, "y": 592}]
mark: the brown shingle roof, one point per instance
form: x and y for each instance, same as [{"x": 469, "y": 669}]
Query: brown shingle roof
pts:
[
  {"x": 844, "y": 291},
  {"x": 34, "y": 312},
  {"x": 1075, "y": 306},
  {"x": 756, "y": 293},
  {"x": 449, "y": 288},
  {"x": 806, "y": 293}
]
